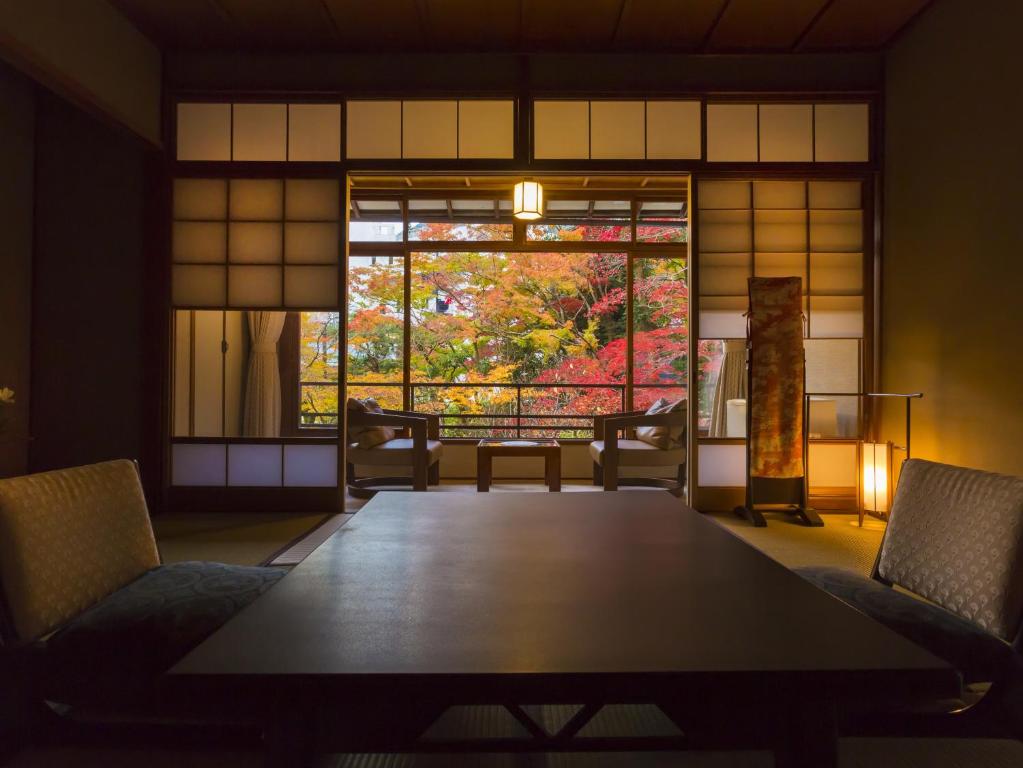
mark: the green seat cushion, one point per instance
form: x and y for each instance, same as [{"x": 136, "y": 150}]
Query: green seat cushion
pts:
[{"x": 118, "y": 647}]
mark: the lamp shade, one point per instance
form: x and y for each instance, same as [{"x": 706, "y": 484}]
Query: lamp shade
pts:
[
  {"x": 527, "y": 200},
  {"x": 876, "y": 476}
]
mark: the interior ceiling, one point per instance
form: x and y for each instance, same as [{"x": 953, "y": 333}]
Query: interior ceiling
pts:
[{"x": 458, "y": 26}]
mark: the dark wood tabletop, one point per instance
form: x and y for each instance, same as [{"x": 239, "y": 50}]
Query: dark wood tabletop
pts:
[{"x": 625, "y": 591}]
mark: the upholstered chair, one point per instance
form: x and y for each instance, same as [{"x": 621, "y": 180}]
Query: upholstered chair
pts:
[
  {"x": 89, "y": 610},
  {"x": 379, "y": 437},
  {"x": 954, "y": 539},
  {"x": 652, "y": 438}
]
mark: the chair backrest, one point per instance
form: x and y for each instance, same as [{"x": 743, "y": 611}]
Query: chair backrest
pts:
[
  {"x": 955, "y": 538},
  {"x": 68, "y": 539}
]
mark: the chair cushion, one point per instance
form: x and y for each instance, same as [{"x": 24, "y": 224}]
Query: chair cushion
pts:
[
  {"x": 68, "y": 539},
  {"x": 956, "y": 538},
  {"x": 366, "y": 436},
  {"x": 978, "y": 655},
  {"x": 636, "y": 453},
  {"x": 115, "y": 650},
  {"x": 661, "y": 436},
  {"x": 393, "y": 453}
]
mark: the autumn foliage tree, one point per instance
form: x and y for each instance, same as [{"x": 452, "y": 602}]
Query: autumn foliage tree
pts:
[{"x": 554, "y": 319}]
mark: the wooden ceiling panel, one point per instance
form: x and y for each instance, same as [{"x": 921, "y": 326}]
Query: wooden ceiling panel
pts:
[
  {"x": 757, "y": 25},
  {"x": 454, "y": 26},
  {"x": 378, "y": 25},
  {"x": 181, "y": 24},
  {"x": 471, "y": 25},
  {"x": 569, "y": 25},
  {"x": 850, "y": 24},
  {"x": 273, "y": 24},
  {"x": 665, "y": 24}
]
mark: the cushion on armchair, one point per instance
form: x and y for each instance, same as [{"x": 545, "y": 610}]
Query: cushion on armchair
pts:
[
  {"x": 367, "y": 436},
  {"x": 978, "y": 655},
  {"x": 663, "y": 437},
  {"x": 115, "y": 649}
]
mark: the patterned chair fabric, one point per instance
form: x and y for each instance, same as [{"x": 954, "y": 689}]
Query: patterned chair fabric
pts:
[
  {"x": 978, "y": 655},
  {"x": 956, "y": 538},
  {"x": 68, "y": 539},
  {"x": 113, "y": 651}
]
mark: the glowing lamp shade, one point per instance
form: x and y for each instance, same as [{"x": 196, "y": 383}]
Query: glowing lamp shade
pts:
[
  {"x": 876, "y": 476},
  {"x": 527, "y": 200}
]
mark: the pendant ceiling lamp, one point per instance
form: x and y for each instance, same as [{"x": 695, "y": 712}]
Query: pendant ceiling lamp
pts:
[{"x": 527, "y": 200}]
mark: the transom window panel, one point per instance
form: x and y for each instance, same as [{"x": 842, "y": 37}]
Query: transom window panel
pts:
[
  {"x": 454, "y": 219},
  {"x": 486, "y": 129},
  {"x": 732, "y": 133},
  {"x": 788, "y": 133},
  {"x": 430, "y": 129},
  {"x": 204, "y": 132},
  {"x": 256, "y": 243},
  {"x": 842, "y": 133},
  {"x": 662, "y": 221},
  {"x": 617, "y": 130},
  {"x": 613, "y": 129},
  {"x": 258, "y": 132},
  {"x": 605, "y": 220},
  {"x": 673, "y": 130},
  {"x": 375, "y": 221}
]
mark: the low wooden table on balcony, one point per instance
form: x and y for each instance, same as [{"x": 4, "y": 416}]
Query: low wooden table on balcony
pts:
[{"x": 548, "y": 448}]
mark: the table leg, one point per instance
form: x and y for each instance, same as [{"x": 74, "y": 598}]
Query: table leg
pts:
[
  {"x": 810, "y": 739},
  {"x": 552, "y": 466},
  {"x": 484, "y": 469}
]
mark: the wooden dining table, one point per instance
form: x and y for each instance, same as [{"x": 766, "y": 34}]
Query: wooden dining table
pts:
[{"x": 425, "y": 601}]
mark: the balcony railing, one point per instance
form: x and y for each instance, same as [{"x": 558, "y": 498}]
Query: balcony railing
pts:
[{"x": 516, "y": 416}]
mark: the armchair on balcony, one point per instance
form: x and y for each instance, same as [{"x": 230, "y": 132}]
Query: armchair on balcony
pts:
[
  {"x": 653, "y": 438},
  {"x": 378, "y": 437}
]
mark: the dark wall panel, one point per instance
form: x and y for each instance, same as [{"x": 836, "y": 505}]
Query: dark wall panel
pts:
[
  {"x": 16, "y": 161},
  {"x": 88, "y": 303}
]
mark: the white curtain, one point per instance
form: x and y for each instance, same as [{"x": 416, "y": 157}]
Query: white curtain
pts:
[
  {"x": 731, "y": 385},
  {"x": 262, "y": 417}
]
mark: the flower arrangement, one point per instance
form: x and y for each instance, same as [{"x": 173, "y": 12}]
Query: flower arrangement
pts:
[{"x": 6, "y": 400}]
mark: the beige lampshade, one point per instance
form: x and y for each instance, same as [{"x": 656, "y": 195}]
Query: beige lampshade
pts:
[
  {"x": 527, "y": 200},
  {"x": 877, "y": 476}
]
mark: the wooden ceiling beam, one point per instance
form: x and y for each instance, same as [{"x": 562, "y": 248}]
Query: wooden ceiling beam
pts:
[
  {"x": 618, "y": 25},
  {"x": 798, "y": 42},
  {"x": 328, "y": 16},
  {"x": 714, "y": 25},
  {"x": 422, "y": 16}
]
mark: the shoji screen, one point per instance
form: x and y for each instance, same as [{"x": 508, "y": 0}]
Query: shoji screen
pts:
[
  {"x": 244, "y": 246},
  {"x": 810, "y": 229},
  {"x": 256, "y": 243}
]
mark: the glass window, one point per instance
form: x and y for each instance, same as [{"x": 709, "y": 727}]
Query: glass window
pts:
[
  {"x": 319, "y": 349},
  {"x": 600, "y": 220},
  {"x": 441, "y": 219},
  {"x": 376, "y": 328},
  {"x": 375, "y": 221},
  {"x": 662, "y": 222},
  {"x": 660, "y": 335}
]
